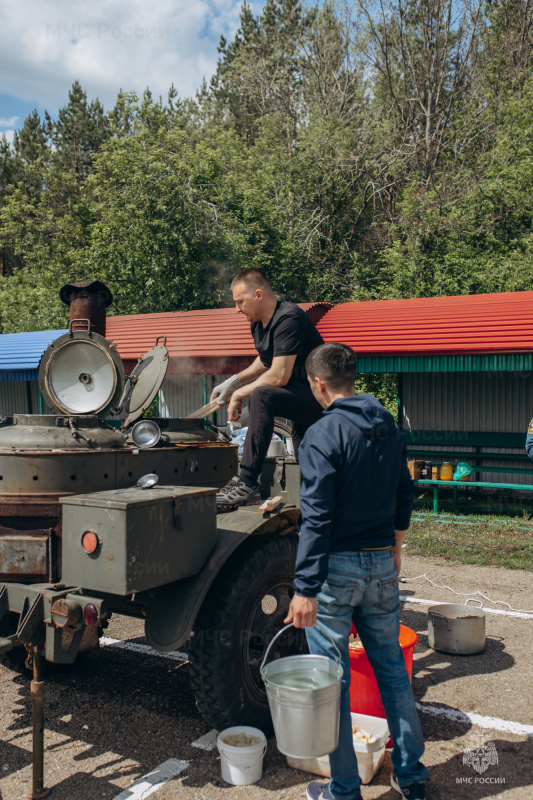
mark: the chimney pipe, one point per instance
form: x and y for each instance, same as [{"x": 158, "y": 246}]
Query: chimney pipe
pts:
[{"x": 87, "y": 300}]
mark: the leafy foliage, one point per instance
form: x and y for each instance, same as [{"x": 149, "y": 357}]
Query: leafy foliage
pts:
[{"x": 351, "y": 151}]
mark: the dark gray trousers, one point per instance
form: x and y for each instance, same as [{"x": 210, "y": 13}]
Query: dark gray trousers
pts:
[{"x": 294, "y": 401}]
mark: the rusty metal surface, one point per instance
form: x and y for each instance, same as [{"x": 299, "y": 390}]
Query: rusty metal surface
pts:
[
  {"x": 85, "y": 309},
  {"x": 31, "y": 505},
  {"x": 20, "y": 596},
  {"x": 55, "y": 473},
  {"x": 37, "y": 706},
  {"x": 36, "y": 433},
  {"x": 88, "y": 300},
  {"x": 23, "y": 555},
  {"x": 30, "y": 519},
  {"x": 65, "y": 472}
]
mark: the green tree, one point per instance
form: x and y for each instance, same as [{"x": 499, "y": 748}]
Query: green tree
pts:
[
  {"x": 483, "y": 241},
  {"x": 77, "y": 134},
  {"x": 17, "y": 169},
  {"x": 161, "y": 230}
]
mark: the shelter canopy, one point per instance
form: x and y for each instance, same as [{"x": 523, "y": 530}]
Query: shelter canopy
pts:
[
  {"x": 204, "y": 342},
  {"x": 465, "y": 333}
]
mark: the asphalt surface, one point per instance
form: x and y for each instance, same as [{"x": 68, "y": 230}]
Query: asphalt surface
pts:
[{"x": 119, "y": 714}]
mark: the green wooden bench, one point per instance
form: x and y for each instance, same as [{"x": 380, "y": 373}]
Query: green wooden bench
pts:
[
  {"x": 483, "y": 484},
  {"x": 419, "y": 442}
]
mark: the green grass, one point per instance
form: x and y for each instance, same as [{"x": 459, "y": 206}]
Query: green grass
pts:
[
  {"x": 473, "y": 539},
  {"x": 473, "y": 500}
]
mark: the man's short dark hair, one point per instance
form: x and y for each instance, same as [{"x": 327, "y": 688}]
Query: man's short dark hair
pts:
[
  {"x": 333, "y": 363},
  {"x": 253, "y": 278}
]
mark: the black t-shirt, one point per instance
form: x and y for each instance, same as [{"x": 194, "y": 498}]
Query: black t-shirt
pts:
[{"x": 289, "y": 332}]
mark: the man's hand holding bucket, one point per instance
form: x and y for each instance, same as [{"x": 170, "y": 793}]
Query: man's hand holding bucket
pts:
[{"x": 302, "y": 612}]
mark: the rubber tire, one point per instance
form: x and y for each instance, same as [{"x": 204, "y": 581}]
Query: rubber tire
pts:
[
  {"x": 14, "y": 659},
  {"x": 225, "y": 690},
  {"x": 283, "y": 427}
]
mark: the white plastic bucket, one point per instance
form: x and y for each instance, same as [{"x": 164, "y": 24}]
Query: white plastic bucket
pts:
[
  {"x": 369, "y": 756},
  {"x": 241, "y": 765}
]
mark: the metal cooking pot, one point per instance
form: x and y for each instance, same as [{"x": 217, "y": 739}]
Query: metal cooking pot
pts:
[{"x": 457, "y": 629}]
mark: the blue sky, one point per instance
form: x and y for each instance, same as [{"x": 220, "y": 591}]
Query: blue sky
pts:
[{"x": 108, "y": 45}]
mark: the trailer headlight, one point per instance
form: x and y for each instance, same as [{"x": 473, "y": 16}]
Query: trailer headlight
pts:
[
  {"x": 90, "y": 542},
  {"x": 145, "y": 433},
  {"x": 65, "y": 612}
]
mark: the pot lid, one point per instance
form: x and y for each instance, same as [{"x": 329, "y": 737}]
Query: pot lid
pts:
[
  {"x": 144, "y": 383},
  {"x": 81, "y": 373}
]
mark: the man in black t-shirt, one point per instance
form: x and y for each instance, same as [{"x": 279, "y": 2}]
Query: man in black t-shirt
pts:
[{"x": 276, "y": 382}]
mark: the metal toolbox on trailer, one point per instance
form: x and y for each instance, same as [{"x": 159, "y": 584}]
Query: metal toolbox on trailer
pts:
[{"x": 140, "y": 538}]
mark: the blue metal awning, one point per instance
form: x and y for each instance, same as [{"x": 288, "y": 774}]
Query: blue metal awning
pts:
[{"x": 21, "y": 353}]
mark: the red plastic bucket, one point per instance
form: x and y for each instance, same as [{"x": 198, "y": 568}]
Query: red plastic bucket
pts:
[{"x": 364, "y": 692}]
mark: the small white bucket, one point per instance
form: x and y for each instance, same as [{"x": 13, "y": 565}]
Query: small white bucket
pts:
[{"x": 241, "y": 765}]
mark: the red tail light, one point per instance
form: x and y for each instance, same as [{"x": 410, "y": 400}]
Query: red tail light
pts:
[{"x": 90, "y": 614}]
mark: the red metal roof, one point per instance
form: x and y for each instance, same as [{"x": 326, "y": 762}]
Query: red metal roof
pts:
[
  {"x": 481, "y": 323},
  {"x": 216, "y": 333}
]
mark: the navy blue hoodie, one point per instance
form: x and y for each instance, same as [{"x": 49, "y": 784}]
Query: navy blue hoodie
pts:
[{"x": 356, "y": 487}]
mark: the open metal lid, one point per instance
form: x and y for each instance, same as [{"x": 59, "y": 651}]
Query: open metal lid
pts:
[
  {"x": 81, "y": 373},
  {"x": 144, "y": 382}
]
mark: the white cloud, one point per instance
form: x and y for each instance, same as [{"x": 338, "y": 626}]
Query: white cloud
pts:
[
  {"x": 8, "y": 134},
  {"x": 109, "y": 45},
  {"x": 8, "y": 123}
]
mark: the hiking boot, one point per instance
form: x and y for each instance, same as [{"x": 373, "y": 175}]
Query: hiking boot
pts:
[
  {"x": 320, "y": 791},
  {"x": 414, "y": 791},
  {"x": 238, "y": 493}
]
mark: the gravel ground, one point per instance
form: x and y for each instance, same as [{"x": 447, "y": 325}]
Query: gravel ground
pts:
[{"x": 117, "y": 714}]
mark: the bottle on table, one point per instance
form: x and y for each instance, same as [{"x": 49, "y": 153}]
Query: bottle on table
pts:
[
  {"x": 426, "y": 471},
  {"x": 446, "y": 471}
]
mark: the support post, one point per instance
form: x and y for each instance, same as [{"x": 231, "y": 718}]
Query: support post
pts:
[
  {"x": 29, "y": 401},
  {"x": 435, "y": 499},
  {"x": 37, "y": 707},
  {"x": 400, "y": 400}
]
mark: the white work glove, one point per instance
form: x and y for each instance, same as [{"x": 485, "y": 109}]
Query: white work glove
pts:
[{"x": 222, "y": 392}]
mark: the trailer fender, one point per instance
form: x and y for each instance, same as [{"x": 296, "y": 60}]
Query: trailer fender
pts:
[{"x": 172, "y": 612}]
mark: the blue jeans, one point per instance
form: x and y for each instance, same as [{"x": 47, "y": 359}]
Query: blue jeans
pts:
[{"x": 363, "y": 587}]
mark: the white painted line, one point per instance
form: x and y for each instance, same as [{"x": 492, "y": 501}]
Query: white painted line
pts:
[
  {"x": 517, "y": 614},
  {"x": 154, "y": 780},
  {"x": 476, "y": 719},
  {"x": 208, "y": 741},
  {"x": 135, "y": 647}
]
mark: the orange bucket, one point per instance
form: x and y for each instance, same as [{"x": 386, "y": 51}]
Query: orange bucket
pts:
[{"x": 364, "y": 692}]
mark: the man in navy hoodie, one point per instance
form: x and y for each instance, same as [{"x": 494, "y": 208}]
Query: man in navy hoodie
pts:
[{"x": 356, "y": 501}]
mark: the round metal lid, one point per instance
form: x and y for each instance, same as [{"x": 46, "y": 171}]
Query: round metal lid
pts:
[
  {"x": 144, "y": 383},
  {"x": 81, "y": 373}
]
